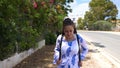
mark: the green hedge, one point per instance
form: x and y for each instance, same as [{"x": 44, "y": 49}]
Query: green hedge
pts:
[
  {"x": 50, "y": 38},
  {"x": 102, "y": 25},
  {"x": 16, "y": 39},
  {"x": 22, "y": 25},
  {"x": 16, "y": 31}
]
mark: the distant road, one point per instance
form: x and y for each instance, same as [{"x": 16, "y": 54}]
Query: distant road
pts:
[{"x": 109, "y": 41}]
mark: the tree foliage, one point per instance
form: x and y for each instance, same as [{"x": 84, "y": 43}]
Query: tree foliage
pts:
[
  {"x": 80, "y": 23},
  {"x": 24, "y": 22},
  {"x": 100, "y": 10}
]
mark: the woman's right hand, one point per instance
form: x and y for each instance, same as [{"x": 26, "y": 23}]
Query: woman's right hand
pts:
[{"x": 58, "y": 62}]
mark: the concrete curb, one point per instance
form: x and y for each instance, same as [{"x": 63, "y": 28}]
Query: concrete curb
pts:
[{"x": 15, "y": 59}]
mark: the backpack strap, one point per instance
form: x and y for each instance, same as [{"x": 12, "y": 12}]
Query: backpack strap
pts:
[
  {"x": 60, "y": 47},
  {"x": 79, "y": 48}
]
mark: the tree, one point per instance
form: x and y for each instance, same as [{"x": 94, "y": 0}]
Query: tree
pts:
[
  {"x": 100, "y": 10},
  {"x": 49, "y": 12},
  {"x": 80, "y": 23}
]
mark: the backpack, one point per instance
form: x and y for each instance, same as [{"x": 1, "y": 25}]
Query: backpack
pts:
[{"x": 78, "y": 46}]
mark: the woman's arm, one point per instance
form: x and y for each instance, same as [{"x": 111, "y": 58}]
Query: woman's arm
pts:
[
  {"x": 57, "y": 50},
  {"x": 84, "y": 49},
  {"x": 83, "y": 46}
]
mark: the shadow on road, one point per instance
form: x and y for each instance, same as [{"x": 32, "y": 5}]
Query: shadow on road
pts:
[{"x": 98, "y": 44}]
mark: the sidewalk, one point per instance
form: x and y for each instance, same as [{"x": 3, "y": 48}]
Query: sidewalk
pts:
[{"x": 43, "y": 58}]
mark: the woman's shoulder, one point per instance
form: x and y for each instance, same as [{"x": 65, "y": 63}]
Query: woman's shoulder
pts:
[
  {"x": 79, "y": 37},
  {"x": 59, "y": 36}
]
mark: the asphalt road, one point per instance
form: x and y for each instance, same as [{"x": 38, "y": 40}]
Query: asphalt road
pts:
[{"x": 109, "y": 41}]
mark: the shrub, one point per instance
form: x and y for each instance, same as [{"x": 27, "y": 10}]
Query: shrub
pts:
[
  {"x": 50, "y": 38},
  {"x": 102, "y": 25}
]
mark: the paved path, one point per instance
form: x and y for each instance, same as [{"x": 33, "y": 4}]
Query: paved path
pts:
[{"x": 43, "y": 58}]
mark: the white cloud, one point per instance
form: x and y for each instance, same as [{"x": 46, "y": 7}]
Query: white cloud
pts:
[
  {"x": 116, "y": 2},
  {"x": 78, "y": 10},
  {"x": 73, "y": 4}
]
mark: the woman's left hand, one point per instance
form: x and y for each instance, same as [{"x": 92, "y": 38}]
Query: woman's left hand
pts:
[{"x": 80, "y": 64}]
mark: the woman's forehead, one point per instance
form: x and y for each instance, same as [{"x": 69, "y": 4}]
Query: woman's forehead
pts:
[{"x": 69, "y": 27}]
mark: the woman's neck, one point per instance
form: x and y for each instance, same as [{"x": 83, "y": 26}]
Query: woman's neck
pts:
[{"x": 70, "y": 38}]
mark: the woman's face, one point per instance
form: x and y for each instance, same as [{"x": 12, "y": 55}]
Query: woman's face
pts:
[{"x": 69, "y": 31}]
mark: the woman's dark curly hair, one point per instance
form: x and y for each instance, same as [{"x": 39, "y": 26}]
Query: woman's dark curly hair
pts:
[{"x": 68, "y": 22}]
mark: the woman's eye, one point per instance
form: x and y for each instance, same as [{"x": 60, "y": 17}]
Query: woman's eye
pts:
[{"x": 69, "y": 31}]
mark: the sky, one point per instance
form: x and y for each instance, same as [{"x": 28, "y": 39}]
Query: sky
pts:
[{"x": 79, "y": 7}]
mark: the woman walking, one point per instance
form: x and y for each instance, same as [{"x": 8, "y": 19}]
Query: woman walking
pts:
[{"x": 70, "y": 47}]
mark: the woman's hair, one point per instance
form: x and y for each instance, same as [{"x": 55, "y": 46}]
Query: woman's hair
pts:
[{"x": 67, "y": 22}]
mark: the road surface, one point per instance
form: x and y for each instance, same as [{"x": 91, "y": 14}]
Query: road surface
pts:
[{"x": 108, "y": 41}]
